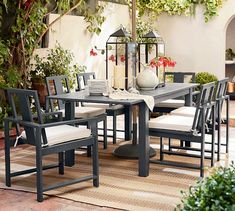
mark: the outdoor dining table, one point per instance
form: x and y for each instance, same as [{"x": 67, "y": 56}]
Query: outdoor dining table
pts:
[{"x": 169, "y": 91}]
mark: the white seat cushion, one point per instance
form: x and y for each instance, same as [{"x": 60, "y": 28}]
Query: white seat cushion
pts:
[
  {"x": 63, "y": 133},
  {"x": 184, "y": 111},
  {"x": 172, "y": 122},
  {"x": 86, "y": 112},
  {"x": 171, "y": 103}
]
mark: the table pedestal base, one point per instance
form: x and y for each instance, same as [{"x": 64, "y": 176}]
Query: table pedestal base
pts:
[{"x": 131, "y": 151}]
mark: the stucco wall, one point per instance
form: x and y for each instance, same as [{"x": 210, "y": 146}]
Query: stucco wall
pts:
[
  {"x": 194, "y": 44},
  {"x": 71, "y": 33}
]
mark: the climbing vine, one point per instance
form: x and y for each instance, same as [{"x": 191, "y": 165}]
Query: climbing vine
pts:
[{"x": 178, "y": 7}]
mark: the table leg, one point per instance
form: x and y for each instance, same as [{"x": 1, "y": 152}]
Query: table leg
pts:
[
  {"x": 128, "y": 122},
  {"x": 143, "y": 140},
  {"x": 69, "y": 114},
  {"x": 189, "y": 98}
]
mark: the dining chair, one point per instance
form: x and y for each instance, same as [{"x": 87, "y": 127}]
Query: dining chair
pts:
[
  {"x": 47, "y": 138},
  {"x": 220, "y": 97},
  {"x": 57, "y": 85},
  {"x": 111, "y": 110},
  {"x": 167, "y": 106},
  {"x": 191, "y": 129}
]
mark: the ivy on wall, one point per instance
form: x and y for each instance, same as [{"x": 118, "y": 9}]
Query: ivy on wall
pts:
[{"x": 178, "y": 7}]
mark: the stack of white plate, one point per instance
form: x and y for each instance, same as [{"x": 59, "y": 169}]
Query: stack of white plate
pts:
[{"x": 98, "y": 87}]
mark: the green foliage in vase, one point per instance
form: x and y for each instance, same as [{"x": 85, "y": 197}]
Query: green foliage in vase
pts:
[
  {"x": 58, "y": 62},
  {"x": 215, "y": 192}
]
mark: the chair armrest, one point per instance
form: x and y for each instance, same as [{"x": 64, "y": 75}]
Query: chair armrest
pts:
[{"x": 36, "y": 125}]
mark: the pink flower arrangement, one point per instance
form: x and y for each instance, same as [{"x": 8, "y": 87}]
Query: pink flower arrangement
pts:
[{"x": 162, "y": 61}]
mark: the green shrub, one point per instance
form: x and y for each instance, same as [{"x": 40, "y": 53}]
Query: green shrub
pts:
[
  {"x": 205, "y": 77},
  {"x": 58, "y": 62},
  {"x": 215, "y": 192}
]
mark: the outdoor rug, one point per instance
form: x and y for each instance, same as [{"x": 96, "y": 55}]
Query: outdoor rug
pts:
[{"x": 120, "y": 185}]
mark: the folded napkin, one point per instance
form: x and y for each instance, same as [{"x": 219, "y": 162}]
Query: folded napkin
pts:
[{"x": 123, "y": 94}]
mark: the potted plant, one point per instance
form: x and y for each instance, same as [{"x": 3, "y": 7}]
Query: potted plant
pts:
[
  {"x": 229, "y": 55},
  {"x": 215, "y": 192},
  {"x": 57, "y": 62},
  {"x": 205, "y": 77}
]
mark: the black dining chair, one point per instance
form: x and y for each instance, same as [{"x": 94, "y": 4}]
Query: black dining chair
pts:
[
  {"x": 171, "y": 104},
  {"x": 190, "y": 129},
  {"x": 47, "y": 138},
  {"x": 220, "y": 98},
  {"x": 111, "y": 110},
  {"x": 59, "y": 85}
]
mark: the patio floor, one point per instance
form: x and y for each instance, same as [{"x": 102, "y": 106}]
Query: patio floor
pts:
[{"x": 19, "y": 200}]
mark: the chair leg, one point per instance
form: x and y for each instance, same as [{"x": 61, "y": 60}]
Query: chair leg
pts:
[
  {"x": 169, "y": 143},
  {"x": 227, "y": 125},
  {"x": 95, "y": 164},
  {"x": 7, "y": 156},
  {"x": 213, "y": 138},
  {"x": 219, "y": 131},
  {"x": 95, "y": 159},
  {"x": 105, "y": 145},
  {"x": 161, "y": 148},
  {"x": 202, "y": 157},
  {"x": 61, "y": 162},
  {"x": 114, "y": 129},
  {"x": 39, "y": 174},
  {"x": 88, "y": 151}
]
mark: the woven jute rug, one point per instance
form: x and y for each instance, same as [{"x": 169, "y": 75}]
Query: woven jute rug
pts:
[{"x": 120, "y": 185}]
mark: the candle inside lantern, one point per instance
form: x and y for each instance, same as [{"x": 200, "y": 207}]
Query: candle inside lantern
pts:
[{"x": 119, "y": 76}]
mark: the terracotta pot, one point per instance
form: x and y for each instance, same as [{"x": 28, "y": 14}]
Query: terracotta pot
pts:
[
  {"x": 42, "y": 90},
  {"x": 231, "y": 87}
]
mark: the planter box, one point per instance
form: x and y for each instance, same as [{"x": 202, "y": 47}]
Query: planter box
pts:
[{"x": 12, "y": 133}]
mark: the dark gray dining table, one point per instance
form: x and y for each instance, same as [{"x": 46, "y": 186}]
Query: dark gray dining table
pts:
[{"x": 169, "y": 91}]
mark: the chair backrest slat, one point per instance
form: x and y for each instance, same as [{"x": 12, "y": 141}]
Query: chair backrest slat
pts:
[
  {"x": 205, "y": 98},
  {"x": 82, "y": 79},
  {"x": 179, "y": 77},
  {"x": 24, "y": 99},
  {"x": 57, "y": 85}
]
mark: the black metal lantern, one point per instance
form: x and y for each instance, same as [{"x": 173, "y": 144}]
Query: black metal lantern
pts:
[
  {"x": 120, "y": 58},
  {"x": 151, "y": 46}
]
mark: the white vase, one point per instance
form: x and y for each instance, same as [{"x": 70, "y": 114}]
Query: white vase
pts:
[{"x": 147, "y": 79}]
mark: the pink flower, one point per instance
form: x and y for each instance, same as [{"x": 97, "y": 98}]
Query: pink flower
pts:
[
  {"x": 112, "y": 58},
  {"x": 122, "y": 58},
  {"x": 92, "y": 52},
  {"x": 27, "y": 4}
]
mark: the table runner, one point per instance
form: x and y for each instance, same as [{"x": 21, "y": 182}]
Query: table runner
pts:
[{"x": 123, "y": 94}]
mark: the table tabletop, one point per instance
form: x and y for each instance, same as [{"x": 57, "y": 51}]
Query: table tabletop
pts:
[{"x": 171, "y": 90}]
